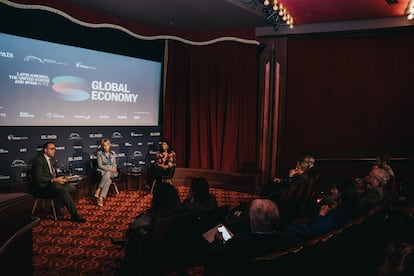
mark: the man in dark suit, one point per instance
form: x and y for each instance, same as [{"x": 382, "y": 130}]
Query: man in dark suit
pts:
[{"x": 45, "y": 176}]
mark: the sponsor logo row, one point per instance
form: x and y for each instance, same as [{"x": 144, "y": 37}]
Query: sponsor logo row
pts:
[{"x": 77, "y": 136}]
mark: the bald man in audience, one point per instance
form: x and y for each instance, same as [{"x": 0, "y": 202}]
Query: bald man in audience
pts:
[{"x": 264, "y": 238}]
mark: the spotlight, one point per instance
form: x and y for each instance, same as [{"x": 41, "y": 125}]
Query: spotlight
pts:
[
  {"x": 271, "y": 17},
  {"x": 275, "y": 12}
]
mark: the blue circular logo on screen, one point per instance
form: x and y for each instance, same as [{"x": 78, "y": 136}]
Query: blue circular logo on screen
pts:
[{"x": 70, "y": 88}]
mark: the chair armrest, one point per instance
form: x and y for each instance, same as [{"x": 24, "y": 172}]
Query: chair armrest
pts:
[{"x": 35, "y": 221}]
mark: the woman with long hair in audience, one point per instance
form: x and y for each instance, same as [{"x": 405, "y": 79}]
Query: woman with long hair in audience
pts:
[
  {"x": 199, "y": 197},
  {"x": 142, "y": 235}
]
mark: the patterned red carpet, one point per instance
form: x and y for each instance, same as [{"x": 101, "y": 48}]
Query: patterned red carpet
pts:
[{"x": 69, "y": 248}]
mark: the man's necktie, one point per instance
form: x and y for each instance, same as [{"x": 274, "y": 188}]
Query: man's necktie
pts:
[{"x": 52, "y": 169}]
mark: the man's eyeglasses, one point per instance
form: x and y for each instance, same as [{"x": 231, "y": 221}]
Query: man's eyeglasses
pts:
[{"x": 51, "y": 148}]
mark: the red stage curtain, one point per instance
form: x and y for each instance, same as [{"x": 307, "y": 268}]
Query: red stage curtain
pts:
[
  {"x": 210, "y": 108},
  {"x": 349, "y": 97}
]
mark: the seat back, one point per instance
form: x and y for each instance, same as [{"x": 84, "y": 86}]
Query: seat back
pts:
[
  {"x": 38, "y": 192},
  {"x": 164, "y": 178},
  {"x": 170, "y": 174},
  {"x": 118, "y": 178},
  {"x": 30, "y": 181},
  {"x": 282, "y": 262},
  {"x": 95, "y": 174},
  {"x": 319, "y": 254}
]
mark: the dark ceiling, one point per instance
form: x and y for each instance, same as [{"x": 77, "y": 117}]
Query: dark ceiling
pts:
[{"x": 214, "y": 15}]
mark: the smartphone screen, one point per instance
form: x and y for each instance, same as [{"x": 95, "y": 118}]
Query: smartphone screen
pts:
[{"x": 226, "y": 235}]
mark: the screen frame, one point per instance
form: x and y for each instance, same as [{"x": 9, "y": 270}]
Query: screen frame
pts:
[{"x": 50, "y": 27}]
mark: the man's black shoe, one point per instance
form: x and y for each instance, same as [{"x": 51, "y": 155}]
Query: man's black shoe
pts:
[
  {"x": 118, "y": 241},
  {"x": 77, "y": 218}
]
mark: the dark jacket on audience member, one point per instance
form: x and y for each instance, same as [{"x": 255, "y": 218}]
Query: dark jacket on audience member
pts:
[
  {"x": 234, "y": 254},
  {"x": 371, "y": 197},
  {"x": 197, "y": 206},
  {"x": 199, "y": 198}
]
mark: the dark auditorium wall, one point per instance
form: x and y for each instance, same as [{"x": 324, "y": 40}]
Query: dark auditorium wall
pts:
[{"x": 349, "y": 97}]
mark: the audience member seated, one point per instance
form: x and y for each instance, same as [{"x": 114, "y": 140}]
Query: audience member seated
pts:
[
  {"x": 291, "y": 193},
  {"x": 345, "y": 202},
  {"x": 332, "y": 211},
  {"x": 372, "y": 193},
  {"x": 383, "y": 161},
  {"x": 313, "y": 170},
  {"x": 199, "y": 197},
  {"x": 145, "y": 231},
  {"x": 392, "y": 188},
  {"x": 398, "y": 260},
  {"x": 297, "y": 176},
  {"x": 310, "y": 189},
  {"x": 230, "y": 257}
]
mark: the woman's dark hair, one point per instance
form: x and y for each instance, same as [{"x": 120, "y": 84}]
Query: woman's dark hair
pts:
[
  {"x": 165, "y": 200},
  {"x": 169, "y": 145},
  {"x": 200, "y": 189}
]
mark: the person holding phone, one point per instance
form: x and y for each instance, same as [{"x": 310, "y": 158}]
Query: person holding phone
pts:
[{"x": 264, "y": 238}]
